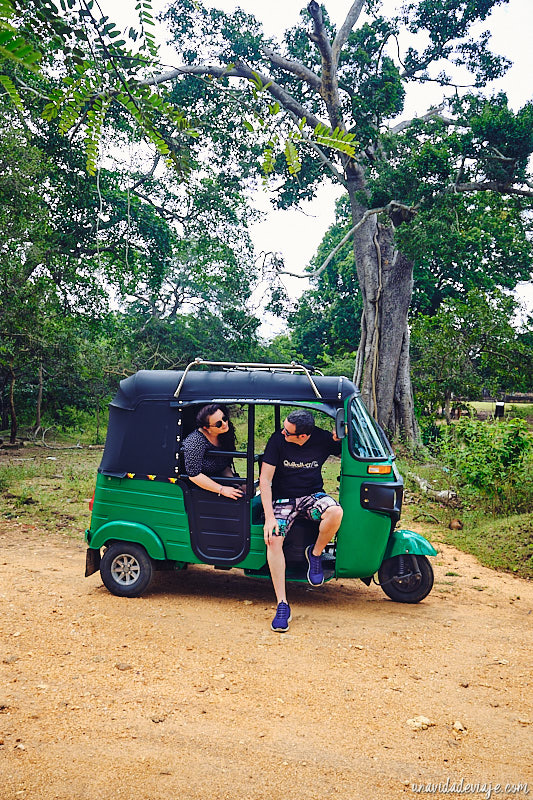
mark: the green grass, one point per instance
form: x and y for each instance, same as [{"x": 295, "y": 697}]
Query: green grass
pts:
[
  {"x": 50, "y": 489},
  {"x": 521, "y": 410},
  {"x": 500, "y": 542}
]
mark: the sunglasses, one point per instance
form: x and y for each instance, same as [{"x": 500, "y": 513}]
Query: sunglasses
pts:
[
  {"x": 219, "y": 423},
  {"x": 285, "y": 432}
]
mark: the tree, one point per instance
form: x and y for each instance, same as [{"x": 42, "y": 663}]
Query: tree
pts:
[
  {"x": 326, "y": 322},
  {"x": 24, "y": 221},
  {"x": 149, "y": 242},
  {"x": 469, "y": 344},
  {"x": 465, "y": 244},
  {"x": 323, "y": 80}
]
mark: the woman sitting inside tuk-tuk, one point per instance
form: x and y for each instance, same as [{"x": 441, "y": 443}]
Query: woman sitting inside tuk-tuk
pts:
[{"x": 214, "y": 430}]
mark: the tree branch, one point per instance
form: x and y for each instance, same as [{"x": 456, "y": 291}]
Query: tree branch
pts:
[
  {"x": 329, "y": 90},
  {"x": 345, "y": 30},
  {"x": 390, "y": 207},
  {"x": 295, "y": 67},
  {"x": 240, "y": 70},
  {"x": 433, "y": 113},
  {"x": 319, "y": 35},
  {"x": 161, "y": 210},
  {"x": 148, "y": 175},
  {"x": 490, "y": 186},
  {"x": 24, "y": 85}
]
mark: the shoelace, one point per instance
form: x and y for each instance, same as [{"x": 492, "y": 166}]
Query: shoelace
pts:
[
  {"x": 282, "y": 611},
  {"x": 315, "y": 563}
]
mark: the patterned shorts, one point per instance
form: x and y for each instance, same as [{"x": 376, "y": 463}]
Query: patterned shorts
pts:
[{"x": 311, "y": 506}]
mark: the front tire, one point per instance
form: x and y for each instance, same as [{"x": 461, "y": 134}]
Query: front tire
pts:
[
  {"x": 406, "y": 578},
  {"x": 126, "y": 569}
]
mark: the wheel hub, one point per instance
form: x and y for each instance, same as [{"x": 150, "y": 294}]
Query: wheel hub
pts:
[{"x": 125, "y": 569}]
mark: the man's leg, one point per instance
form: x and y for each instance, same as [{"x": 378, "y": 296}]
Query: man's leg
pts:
[
  {"x": 276, "y": 563},
  {"x": 330, "y": 521},
  {"x": 329, "y": 525}
]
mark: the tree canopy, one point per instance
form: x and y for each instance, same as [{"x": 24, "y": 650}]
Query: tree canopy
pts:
[
  {"x": 105, "y": 270},
  {"x": 465, "y": 159},
  {"x": 113, "y": 259}
]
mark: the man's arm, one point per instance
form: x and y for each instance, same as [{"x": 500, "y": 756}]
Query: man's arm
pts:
[
  {"x": 336, "y": 447},
  {"x": 265, "y": 487}
]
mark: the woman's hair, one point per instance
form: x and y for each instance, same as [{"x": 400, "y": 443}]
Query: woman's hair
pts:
[{"x": 227, "y": 440}]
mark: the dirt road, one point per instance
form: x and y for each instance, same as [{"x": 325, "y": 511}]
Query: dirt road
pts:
[{"x": 186, "y": 694}]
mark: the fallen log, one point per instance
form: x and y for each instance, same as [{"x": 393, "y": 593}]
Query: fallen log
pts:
[{"x": 442, "y": 495}]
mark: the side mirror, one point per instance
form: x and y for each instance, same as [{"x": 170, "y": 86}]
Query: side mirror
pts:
[{"x": 340, "y": 423}]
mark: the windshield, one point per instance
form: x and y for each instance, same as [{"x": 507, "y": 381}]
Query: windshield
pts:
[{"x": 366, "y": 438}]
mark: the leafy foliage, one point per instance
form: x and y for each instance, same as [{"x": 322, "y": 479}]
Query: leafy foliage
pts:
[
  {"x": 100, "y": 70},
  {"x": 493, "y": 461},
  {"x": 173, "y": 256},
  {"x": 467, "y": 346}
]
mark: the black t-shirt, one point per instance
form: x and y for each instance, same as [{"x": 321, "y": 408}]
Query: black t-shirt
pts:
[{"x": 298, "y": 467}]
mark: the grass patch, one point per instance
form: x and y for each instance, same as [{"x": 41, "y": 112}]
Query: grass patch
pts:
[
  {"x": 512, "y": 410},
  {"x": 480, "y": 405},
  {"x": 499, "y": 542},
  {"x": 50, "y": 489}
]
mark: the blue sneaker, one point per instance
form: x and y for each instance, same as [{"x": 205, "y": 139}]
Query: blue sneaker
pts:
[
  {"x": 315, "y": 574},
  {"x": 280, "y": 623}
]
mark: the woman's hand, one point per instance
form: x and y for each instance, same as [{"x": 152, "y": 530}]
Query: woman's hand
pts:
[{"x": 231, "y": 492}]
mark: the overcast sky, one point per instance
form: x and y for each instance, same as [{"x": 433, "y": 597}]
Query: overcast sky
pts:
[{"x": 295, "y": 234}]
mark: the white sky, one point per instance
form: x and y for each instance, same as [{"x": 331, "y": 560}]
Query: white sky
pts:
[{"x": 296, "y": 234}]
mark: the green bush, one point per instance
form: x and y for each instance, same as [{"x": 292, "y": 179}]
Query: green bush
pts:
[
  {"x": 519, "y": 412},
  {"x": 429, "y": 430},
  {"x": 491, "y": 460}
]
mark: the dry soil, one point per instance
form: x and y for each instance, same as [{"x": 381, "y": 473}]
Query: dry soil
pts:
[{"x": 186, "y": 694}]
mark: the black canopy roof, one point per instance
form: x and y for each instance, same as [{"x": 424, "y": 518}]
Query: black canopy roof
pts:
[{"x": 232, "y": 385}]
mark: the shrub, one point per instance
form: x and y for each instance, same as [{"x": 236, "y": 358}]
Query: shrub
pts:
[{"x": 492, "y": 460}]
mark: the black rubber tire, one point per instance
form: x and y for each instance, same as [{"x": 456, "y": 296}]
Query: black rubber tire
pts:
[
  {"x": 126, "y": 569},
  {"x": 411, "y": 590}
]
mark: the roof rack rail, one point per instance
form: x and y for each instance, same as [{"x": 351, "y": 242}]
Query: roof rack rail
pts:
[{"x": 292, "y": 367}]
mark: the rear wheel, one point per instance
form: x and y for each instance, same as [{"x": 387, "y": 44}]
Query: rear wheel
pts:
[
  {"x": 126, "y": 569},
  {"x": 406, "y": 578}
]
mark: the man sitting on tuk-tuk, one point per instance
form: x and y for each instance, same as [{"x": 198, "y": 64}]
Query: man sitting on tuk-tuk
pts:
[{"x": 291, "y": 485}]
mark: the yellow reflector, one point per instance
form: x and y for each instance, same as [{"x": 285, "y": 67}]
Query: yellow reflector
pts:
[{"x": 379, "y": 469}]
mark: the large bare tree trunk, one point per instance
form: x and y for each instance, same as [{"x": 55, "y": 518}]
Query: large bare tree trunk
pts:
[{"x": 386, "y": 281}]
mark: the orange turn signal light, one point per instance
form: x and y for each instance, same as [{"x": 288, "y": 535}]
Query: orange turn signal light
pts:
[{"x": 379, "y": 469}]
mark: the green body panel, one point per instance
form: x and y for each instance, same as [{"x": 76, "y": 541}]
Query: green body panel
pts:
[
  {"x": 403, "y": 541},
  {"x": 154, "y": 505},
  {"x": 123, "y": 531},
  {"x": 363, "y": 536},
  {"x": 152, "y": 513},
  {"x": 256, "y": 558}
]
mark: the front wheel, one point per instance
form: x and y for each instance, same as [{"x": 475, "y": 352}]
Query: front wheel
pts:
[
  {"x": 406, "y": 578},
  {"x": 126, "y": 569}
]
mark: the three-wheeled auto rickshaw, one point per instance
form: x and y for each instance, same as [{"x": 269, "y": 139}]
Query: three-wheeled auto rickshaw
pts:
[{"x": 147, "y": 515}]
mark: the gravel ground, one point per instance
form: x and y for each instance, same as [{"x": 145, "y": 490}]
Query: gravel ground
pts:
[{"x": 186, "y": 694}]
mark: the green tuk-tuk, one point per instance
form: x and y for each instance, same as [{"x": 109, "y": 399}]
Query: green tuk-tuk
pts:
[{"x": 147, "y": 515}]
